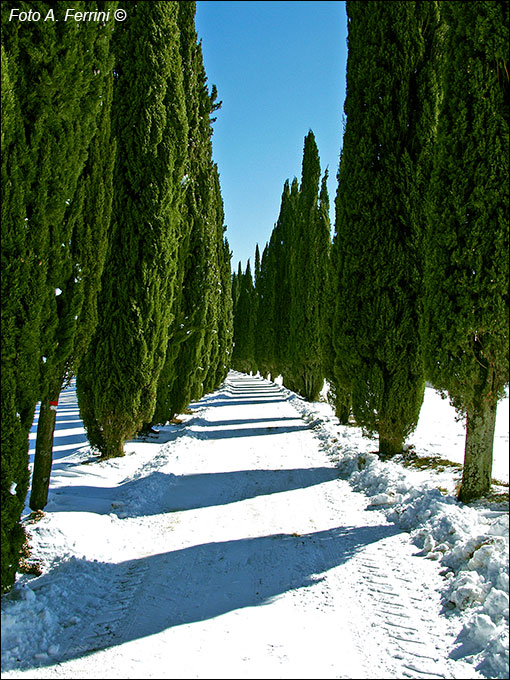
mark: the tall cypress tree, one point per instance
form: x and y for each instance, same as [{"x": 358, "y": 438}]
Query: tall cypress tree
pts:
[
  {"x": 78, "y": 242},
  {"x": 465, "y": 322},
  {"x": 243, "y": 353},
  {"x": 118, "y": 380},
  {"x": 264, "y": 330},
  {"x": 338, "y": 395},
  {"x": 19, "y": 348},
  {"x": 181, "y": 378},
  {"x": 221, "y": 322},
  {"x": 284, "y": 245},
  {"x": 54, "y": 115},
  {"x": 236, "y": 280},
  {"x": 308, "y": 267},
  {"x": 257, "y": 264},
  {"x": 389, "y": 108},
  {"x": 209, "y": 358},
  {"x": 226, "y": 323}
]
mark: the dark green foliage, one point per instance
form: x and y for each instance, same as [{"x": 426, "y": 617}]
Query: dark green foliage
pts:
[
  {"x": 210, "y": 357},
  {"x": 97, "y": 179},
  {"x": 202, "y": 325},
  {"x": 19, "y": 352},
  {"x": 126, "y": 355},
  {"x": 51, "y": 113},
  {"x": 307, "y": 276},
  {"x": 236, "y": 279},
  {"x": 283, "y": 242},
  {"x": 390, "y": 105},
  {"x": 278, "y": 319},
  {"x": 290, "y": 280},
  {"x": 226, "y": 320},
  {"x": 178, "y": 377},
  {"x": 243, "y": 353},
  {"x": 78, "y": 242},
  {"x": 63, "y": 119},
  {"x": 465, "y": 321},
  {"x": 264, "y": 331},
  {"x": 338, "y": 396},
  {"x": 257, "y": 265},
  {"x": 220, "y": 326}
]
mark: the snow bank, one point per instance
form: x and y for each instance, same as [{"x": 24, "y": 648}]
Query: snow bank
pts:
[{"x": 471, "y": 543}]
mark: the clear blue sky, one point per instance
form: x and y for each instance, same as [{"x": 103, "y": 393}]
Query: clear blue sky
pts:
[{"x": 280, "y": 71}]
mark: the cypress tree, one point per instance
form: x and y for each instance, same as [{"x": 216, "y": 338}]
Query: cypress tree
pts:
[
  {"x": 124, "y": 360},
  {"x": 243, "y": 353},
  {"x": 465, "y": 321},
  {"x": 389, "y": 107},
  {"x": 181, "y": 378},
  {"x": 211, "y": 351},
  {"x": 236, "y": 280},
  {"x": 274, "y": 291},
  {"x": 222, "y": 331},
  {"x": 308, "y": 266},
  {"x": 201, "y": 331},
  {"x": 257, "y": 264},
  {"x": 285, "y": 244},
  {"x": 264, "y": 330},
  {"x": 19, "y": 348},
  {"x": 338, "y": 395},
  {"x": 78, "y": 242},
  {"x": 53, "y": 114},
  {"x": 226, "y": 323}
]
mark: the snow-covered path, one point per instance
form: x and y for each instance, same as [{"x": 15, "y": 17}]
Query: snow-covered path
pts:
[{"x": 230, "y": 547}]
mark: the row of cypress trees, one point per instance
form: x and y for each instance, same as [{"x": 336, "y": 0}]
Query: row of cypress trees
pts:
[
  {"x": 56, "y": 91},
  {"x": 414, "y": 286},
  {"x": 115, "y": 265},
  {"x": 278, "y": 312}
]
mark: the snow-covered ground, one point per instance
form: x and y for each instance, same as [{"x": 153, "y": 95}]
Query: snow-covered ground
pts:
[{"x": 258, "y": 538}]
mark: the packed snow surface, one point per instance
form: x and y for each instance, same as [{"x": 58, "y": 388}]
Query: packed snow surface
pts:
[{"x": 258, "y": 538}]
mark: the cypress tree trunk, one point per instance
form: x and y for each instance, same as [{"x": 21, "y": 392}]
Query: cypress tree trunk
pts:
[
  {"x": 390, "y": 444},
  {"x": 477, "y": 471},
  {"x": 44, "y": 447}
]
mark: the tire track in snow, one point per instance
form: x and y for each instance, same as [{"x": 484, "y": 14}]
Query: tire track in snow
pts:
[
  {"x": 405, "y": 627},
  {"x": 106, "y": 628}
]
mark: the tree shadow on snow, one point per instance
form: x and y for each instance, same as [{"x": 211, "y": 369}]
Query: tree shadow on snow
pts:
[
  {"x": 143, "y": 597},
  {"x": 64, "y": 443},
  {"x": 240, "y": 401},
  {"x": 208, "y": 430},
  {"x": 248, "y": 421},
  {"x": 248, "y": 431},
  {"x": 163, "y": 492}
]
